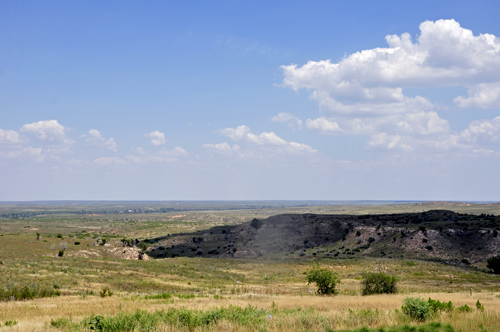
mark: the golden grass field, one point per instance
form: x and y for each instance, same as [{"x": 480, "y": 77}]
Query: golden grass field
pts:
[{"x": 334, "y": 310}]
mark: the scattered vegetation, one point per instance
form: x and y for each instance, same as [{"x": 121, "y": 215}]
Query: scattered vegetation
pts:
[{"x": 26, "y": 292}]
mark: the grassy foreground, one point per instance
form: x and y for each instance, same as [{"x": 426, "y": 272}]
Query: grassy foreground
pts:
[{"x": 245, "y": 313}]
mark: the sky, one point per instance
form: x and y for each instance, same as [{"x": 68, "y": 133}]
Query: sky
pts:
[{"x": 250, "y": 100}]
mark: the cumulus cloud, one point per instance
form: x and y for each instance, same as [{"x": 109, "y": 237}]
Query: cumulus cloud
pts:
[
  {"x": 157, "y": 138},
  {"x": 292, "y": 121},
  {"x": 481, "y": 96},
  {"x": 323, "y": 125},
  {"x": 363, "y": 92},
  {"x": 487, "y": 130},
  {"x": 223, "y": 148},
  {"x": 390, "y": 142},
  {"x": 10, "y": 137},
  {"x": 95, "y": 139},
  {"x": 243, "y": 133},
  {"x": 48, "y": 130},
  {"x": 264, "y": 140},
  {"x": 444, "y": 54}
]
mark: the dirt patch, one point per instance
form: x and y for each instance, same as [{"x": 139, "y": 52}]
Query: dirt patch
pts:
[
  {"x": 85, "y": 253},
  {"x": 128, "y": 253}
]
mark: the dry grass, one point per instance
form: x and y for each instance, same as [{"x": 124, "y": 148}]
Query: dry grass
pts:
[{"x": 340, "y": 312}]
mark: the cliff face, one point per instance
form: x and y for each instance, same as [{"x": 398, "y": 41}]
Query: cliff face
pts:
[{"x": 438, "y": 235}]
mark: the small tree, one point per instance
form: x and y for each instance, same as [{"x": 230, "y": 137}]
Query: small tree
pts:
[
  {"x": 494, "y": 264},
  {"x": 378, "y": 283},
  {"x": 256, "y": 223},
  {"x": 38, "y": 236},
  {"x": 324, "y": 279}
]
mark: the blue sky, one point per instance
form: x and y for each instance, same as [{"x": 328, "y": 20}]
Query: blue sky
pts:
[{"x": 385, "y": 100}]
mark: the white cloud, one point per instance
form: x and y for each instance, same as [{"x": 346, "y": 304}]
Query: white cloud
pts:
[
  {"x": 292, "y": 121},
  {"x": 157, "y": 138},
  {"x": 164, "y": 155},
  {"x": 48, "y": 130},
  {"x": 424, "y": 123},
  {"x": 487, "y": 130},
  {"x": 243, "y": 133},
  {"x": 106, "y": 161},
  {"x": 363, "y": 92},
  {"x": 94, "y": 138},
  {"x": 223, "y": 148},
  {"x": 481, "y": 96},
  {"x": 323, "y": 125},
  {"x": 390, "y": 142},
  {"x": 176, "y": 152},
  {"x": 266, "y": 140},
  {"x": 10, "y": 137},
  {"x": 445, "y": 54}
]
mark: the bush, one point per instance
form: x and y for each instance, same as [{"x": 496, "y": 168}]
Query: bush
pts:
[
  {"x": 464, "y": 308},
  {"x": 61, "y": 253},
  {"x": 256, "y": 223},
  {"x": 106, "y": 292},
  {"x": 494, "y": 264},
  {"x": 378, "y": 283},
  {"x": 417, "y": 309},
  {"x": 437, "y": 305},
  {"x": 479, "y": 306},
  {"x": 324, "y": 279}
]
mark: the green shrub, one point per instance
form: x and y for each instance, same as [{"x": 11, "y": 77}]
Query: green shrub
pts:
[
  {"x": 437, "y": 305},
  {"x": 324, "y": 279},
  {"x": 77, "y": 243},
  {"x": 11, "y": 323},
  {"x": 378, "y": 283},
  {"x": 417, "y": 309},
  {"x": 493, "y": 263},
  {"x": 479, "y": 306},
  {"x": 464, "y": 308},
  {"x": 61, "y": 253},
  {"x": 179, "y": 318},
  {"x": 105, "y": 292},
  {"x": 59, "y": 236}
]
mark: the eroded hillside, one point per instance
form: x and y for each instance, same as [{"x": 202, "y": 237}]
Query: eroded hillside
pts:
[{"x": 434, "y": 235}]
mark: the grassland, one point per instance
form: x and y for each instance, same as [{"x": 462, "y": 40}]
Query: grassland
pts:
[{"x": 272, "y": 286}]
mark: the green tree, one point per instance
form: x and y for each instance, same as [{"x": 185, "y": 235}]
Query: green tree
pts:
[
  {"x": 378, "y": 283},
  {"x": 494, "y": 264},
  {"x": 324, "y": 279}
]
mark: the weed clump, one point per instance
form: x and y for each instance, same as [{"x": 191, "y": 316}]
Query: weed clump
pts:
[
  {"x": 464, "y": 308},
  {"x": 378, "y": 283},
  {"x": 105, "y": 292}
]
